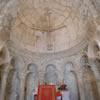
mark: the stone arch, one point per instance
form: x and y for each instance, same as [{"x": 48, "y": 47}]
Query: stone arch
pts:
[
  {"x": 89, "y": 80},
  {"x": 70, "y": 81},
  {"x": 32, "y": 66},
  {"x": 31, "y": 81},
  {"x": 51, "y": 75},
  {"x": 50, "y": 66}
]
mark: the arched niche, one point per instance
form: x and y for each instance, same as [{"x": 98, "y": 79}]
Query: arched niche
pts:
[
  {"x": 51, "y": 75},
  {"x": 70, "y": 81},
  {"x": 89, "y": 80},
  {"x": 31, "y": 81},
  {"x": 17, "y": 64}
]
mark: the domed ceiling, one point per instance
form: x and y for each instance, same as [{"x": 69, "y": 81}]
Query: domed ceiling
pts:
[{"x": 48, "y": 26}]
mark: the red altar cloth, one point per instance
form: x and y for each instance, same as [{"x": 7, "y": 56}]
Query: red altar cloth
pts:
[{"x": 46, "y": 92}]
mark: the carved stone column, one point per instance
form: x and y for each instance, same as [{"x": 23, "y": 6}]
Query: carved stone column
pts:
[
  {"x": 22, "y": 79},
  {"x": 4, "y": 81},
  {"x": 32, "y": 81},
  {"x": 15, "y": 86},
  {"x": 81, "y": 85},
  {"x": 20, "y": 74},
  {"x": 96, "y": 73},
  {"x": 87, "y": 79}
]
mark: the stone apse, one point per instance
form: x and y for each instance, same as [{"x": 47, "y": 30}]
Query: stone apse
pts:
[{"x": 49, "y": 41}]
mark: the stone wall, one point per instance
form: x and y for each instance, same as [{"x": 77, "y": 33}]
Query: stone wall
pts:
[
  {"x": 21, "y": 75},
  {"x": 22, "y": 68}
]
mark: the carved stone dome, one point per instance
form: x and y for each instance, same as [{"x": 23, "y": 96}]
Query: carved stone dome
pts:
[{"x": 48, "y": 27}]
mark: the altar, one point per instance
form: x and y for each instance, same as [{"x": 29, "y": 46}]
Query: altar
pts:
[{"x": 47, "y": 92}]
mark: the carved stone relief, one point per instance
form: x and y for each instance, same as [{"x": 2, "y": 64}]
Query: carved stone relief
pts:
[
  {"x": 89, "y": 80},
  {"x": 31, "y": 81},
  {"x": 49, "y": 26},
  {"x": 41, "y": 26},
  {"x": 51, "y": 76},
  {"x": 15, "y": 82},
  {"x": 70, "y": 81}
]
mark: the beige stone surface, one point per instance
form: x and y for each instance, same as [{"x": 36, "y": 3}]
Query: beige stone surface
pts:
[
  {"x": 49, "y": 41},
  {"x": 61, "y": 23}
]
